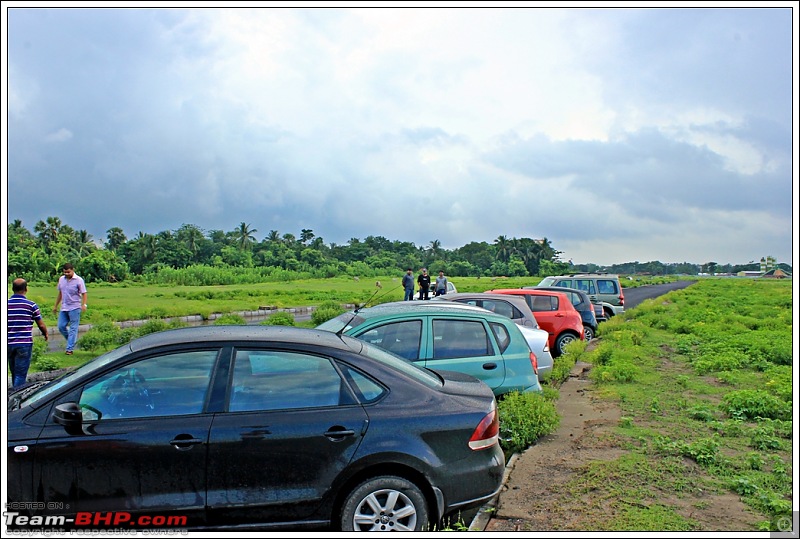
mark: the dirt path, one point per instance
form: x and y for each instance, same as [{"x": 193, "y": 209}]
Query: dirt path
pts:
[{"x": 536, "y": 498}]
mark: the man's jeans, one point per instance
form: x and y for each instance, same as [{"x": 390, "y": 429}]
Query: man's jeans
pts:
[
  {"x": 409, "y": 294},
  {"x": 19, "y": 361},
  {"x": 68, "y": 322}
]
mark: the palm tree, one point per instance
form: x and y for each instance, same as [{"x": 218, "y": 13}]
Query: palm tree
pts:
[
  {"x": 244, "y": 235},
  {"x": 503, "y": 248},
  {"x": 48, "y": 230},
  {"x": 83, "y": 243},
  {"x": 274, "y": 236},
  {"x": 115, "y": 238},
  {"x": 306, "y": 234},
  {"x": 146, "y": 245},
  {"x": 435, "y": 249}
]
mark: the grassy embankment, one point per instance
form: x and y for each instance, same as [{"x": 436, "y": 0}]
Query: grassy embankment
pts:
[{"x": 703, "y": 377}]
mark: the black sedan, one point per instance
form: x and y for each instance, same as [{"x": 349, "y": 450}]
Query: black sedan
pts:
[{"x": 237, "y": 427}]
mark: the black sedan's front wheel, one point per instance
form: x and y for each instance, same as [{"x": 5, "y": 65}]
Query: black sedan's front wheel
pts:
[{"x": 387, "y": 503}]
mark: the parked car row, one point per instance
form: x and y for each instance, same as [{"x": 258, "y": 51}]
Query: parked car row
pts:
[
  {"x": 384, "y": 418},
  {"x": 217, "y": 427}
]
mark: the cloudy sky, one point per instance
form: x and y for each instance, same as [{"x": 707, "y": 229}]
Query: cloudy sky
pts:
[{"x": 618, "y": 134}]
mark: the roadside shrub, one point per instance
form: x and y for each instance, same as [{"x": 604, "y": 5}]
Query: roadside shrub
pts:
[
  {"x": 230, "y": 320},
  {"x": 279, "y": 319},
  {"x": 101, "y": 336},
  {"x": 39, "y": 349},
  {"x": 602, "y": 354},
  {"x": 152, "y": 326},
  {"x": 755, "y": 403},
  {"x": 326, "y": 311},
  {"x": 524, "y": 418},
  {"x": 621, "y": 371},
  {"x": 42, "y": 364}
]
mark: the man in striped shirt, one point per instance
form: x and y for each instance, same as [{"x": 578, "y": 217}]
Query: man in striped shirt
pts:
[{"x": 22, "y": 313}]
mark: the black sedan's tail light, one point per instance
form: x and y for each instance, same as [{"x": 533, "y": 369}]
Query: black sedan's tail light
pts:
[{"x": 487, "y": 432}]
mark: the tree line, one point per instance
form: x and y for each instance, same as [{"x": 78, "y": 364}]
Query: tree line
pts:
[{"x": 190, "y": 255}]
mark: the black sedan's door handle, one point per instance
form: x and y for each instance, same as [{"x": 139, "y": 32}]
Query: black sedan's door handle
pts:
[
  {"x": 339, "y": 433},
  {"x": 489, "y": 366},
  {"x": 184, "y": 442}
]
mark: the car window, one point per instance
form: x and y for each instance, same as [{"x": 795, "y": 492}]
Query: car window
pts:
[
  {"x": 544, "y": 303},
  {"x": 164, "y": 385},
  {"x": 368, "y": 389},
  {"x": 502, "y": 335},
  {"x": 460, "y": 338},
  {"x": 279, "y": 380},
  {"x": 401, "y": 338},
  {"x": 585, "y": 285},
  {"x": 606, "y": 286},
  {"x": 501, "y": 307}
]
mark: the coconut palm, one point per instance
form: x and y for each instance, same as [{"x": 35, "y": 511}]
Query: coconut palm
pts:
[
  {"x": 115, "y": 237},
  {"x": 244, "y": 235}
]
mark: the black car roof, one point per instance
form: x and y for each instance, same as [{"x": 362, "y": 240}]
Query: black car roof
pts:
[
  {"x": 558, "y": 289},
  {"x": 255, "y": 333}
]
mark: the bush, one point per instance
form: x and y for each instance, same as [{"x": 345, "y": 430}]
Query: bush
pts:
[
  {"x": 46, "y": 364},
  {"x": 279, "y": 319},
  {"x": 230, "y": 320},
  {"x": 326, "y": 311},
  {"x": 754, "y": 403},
  {"x": 101, "y": 336},
  {"x": 524, "y": 418}
]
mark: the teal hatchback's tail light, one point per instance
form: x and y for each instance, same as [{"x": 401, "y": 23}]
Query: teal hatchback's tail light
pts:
[{"x": 487, "y": 433}]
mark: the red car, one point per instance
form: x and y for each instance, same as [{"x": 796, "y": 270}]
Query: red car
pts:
[{"x": 554, "y": 313}]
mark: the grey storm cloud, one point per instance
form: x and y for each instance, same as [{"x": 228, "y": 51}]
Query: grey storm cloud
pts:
[{"x": 454, "y": 125}]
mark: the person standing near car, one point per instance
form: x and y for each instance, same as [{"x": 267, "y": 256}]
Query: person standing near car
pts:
[
  {"x": 72, "y": 297},
  {"x": 441, "y": 285},
  {"x": 22, "y": 313},
  {"x": 408, "y": 285},
  {"x": 424, "y": 282}
]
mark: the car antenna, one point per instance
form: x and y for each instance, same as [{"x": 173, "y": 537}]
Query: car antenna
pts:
[{"x": 378, "y": 287}]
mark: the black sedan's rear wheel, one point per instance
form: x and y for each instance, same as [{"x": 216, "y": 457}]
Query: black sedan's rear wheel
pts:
[{"x": 387, "y": 503}]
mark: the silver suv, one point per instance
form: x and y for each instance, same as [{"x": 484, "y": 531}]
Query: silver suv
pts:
[{"x": 601, "y": 287}]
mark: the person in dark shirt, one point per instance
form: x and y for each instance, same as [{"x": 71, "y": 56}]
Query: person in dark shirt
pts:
[{"x": 424, "y": 282}]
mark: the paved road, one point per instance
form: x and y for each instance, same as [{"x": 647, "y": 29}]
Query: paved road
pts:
[{"x": 634, "y": 296}]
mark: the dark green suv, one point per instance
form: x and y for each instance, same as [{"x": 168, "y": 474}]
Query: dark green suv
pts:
[{"x": 601, "y": 287}]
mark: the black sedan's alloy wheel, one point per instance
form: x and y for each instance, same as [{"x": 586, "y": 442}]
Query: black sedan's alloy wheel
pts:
[{"x": 387, "y": 503}]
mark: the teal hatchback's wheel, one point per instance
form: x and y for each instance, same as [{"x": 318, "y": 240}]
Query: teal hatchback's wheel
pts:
[
  {"x": 387, "y": 503},
  {"x": 563, "y": 340}
]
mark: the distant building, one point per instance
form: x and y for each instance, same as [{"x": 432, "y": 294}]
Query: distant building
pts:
[
  {"x": 750, "y": 273},
  {"x": 776, "y": 274}
]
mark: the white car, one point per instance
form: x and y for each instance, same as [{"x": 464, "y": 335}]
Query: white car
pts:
[{"x": 537, "y": 341}]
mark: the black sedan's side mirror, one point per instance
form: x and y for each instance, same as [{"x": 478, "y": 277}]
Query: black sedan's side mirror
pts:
[{"x": 70, "y": 415}]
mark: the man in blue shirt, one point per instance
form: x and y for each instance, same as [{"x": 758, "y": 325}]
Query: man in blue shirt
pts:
[{"x": 22, "y": 313}]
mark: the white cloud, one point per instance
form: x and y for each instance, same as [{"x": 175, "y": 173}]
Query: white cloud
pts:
[{"x": 60, "y": 135}]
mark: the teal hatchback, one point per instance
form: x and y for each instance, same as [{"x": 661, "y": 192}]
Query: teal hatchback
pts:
[{"x": 464, "y": 339}]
